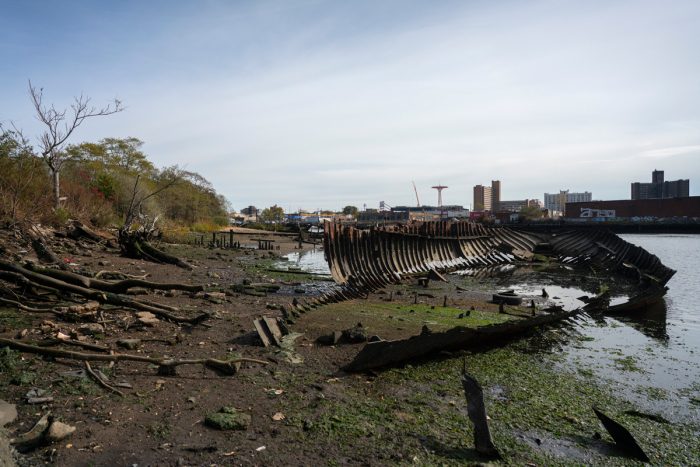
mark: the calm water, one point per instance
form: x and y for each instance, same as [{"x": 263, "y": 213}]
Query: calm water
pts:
[{"x": 653, "y": 358}]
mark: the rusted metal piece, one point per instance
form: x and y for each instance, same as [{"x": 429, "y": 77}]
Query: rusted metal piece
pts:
[{"x": 362, "y": 261}]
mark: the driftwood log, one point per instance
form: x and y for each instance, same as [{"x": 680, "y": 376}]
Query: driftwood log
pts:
[
  {"x": 135, "y": 244},
  {"x": 111, "y": 286},
  {"x": 23, "y": 276},
  {"x": 166, "y": 366}
]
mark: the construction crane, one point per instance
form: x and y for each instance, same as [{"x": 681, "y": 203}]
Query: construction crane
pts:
[{"x": 416, "y": 190}]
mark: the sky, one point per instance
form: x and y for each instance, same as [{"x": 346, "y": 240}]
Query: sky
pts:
[{"x": 322, "y": 104}]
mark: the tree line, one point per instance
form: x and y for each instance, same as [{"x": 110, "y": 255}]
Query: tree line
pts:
[
  {"x": 106, "y": 183},
  {"x": 99, "y": 181}
]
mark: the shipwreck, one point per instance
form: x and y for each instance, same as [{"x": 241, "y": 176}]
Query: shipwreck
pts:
[{"x": 363, "y": 261}]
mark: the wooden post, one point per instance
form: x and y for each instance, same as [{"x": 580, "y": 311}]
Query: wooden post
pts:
[
  {"x": 230, "y": 238},
  {"x": 477, "y": 414}
]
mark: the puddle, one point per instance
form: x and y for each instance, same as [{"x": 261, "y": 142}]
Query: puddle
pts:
[{"x": 311, "y": 261}]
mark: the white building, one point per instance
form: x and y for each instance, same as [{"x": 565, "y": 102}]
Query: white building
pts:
[{"x": 557, "y": 201}]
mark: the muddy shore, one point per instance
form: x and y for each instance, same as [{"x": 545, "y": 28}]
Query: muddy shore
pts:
[{"x": 303, "y": 409}]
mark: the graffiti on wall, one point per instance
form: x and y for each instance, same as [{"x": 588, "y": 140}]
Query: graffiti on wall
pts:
[{"x": 590, "y": 212}]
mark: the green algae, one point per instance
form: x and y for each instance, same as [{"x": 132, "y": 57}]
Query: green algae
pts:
[{"x": 418, "y": 414}]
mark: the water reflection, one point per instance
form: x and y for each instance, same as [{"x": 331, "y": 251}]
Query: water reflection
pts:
[
  {"x": 650, "y": 321},
  {"x": 311, "y": 261}
]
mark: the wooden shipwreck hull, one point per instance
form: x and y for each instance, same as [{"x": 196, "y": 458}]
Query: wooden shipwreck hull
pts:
[{"x": 362, "y": 261}]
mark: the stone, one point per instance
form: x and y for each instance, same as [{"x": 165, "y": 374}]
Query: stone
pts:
[
  {"x": 228, "y": 418},
  {"x": 91, "y": 329},
  {"x": 355, "y": 335},
  {"x": 58, "y": 431},
  {"x": 130, "y": 344},
  {"x": 8, "y": 413},
  {"x": 147, "y": 318}
]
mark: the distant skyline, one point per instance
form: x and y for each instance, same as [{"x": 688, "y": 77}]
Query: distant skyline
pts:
[{"x": 320, "y": 104}]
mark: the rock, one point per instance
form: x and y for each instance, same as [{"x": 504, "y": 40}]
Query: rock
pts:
[
  {"x": 85, "y": 307},
  {"x": 215, "y": 297},
  {"x": 58, "y": 431},
  {"x": 8, "y": 413},
  {"x": 228, "y": 418},
  {"x": 147, "y": 318},
  {"x": 130, "y": 344},
  {"x": 91, "y": 329},
  {"x": 355, "y": 335}
]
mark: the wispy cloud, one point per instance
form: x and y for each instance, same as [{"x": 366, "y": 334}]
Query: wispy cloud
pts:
[{"x": 672, "y": 151}]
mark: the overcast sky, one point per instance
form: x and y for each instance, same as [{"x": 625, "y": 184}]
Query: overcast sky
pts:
[{"x": 320, "y": 104}]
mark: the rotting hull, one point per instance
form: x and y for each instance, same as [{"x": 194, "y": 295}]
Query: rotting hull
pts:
[{"x": 363, "y": 261}]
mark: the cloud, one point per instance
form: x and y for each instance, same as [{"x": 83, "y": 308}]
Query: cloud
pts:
[
  {"x": 323, "y": 104},
  {"x": 671, "y": 152}
]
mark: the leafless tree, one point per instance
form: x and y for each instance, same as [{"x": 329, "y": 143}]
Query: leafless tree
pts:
[{"x": 59, "y": 126}]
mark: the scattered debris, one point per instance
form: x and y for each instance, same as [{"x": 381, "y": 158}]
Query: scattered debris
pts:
[
  {"x": 270, "y": 330},
  {"x": 45, "y": 431}
]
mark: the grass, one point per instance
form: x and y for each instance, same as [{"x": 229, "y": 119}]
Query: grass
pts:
[
  {"x": 14, "y": 369},
  {"x": 14, "y": 319},
  {"x": 377, "y": 316}
]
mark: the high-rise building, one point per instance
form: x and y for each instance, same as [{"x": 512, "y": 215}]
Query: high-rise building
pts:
[
  {"x": 495, "y": 195},
  {"x": 658, "y": 188},
  {"x": 557, "y": 201},
  {"x": 482, "y": 198}
]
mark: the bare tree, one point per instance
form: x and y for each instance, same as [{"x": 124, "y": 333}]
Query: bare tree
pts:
[{"x": 59, "y": 126}]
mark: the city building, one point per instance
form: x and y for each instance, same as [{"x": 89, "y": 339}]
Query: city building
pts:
[
  {"x": 424, "y": 213},
  {"x": 482, "y": 198},
  {"x": 658, "y": 188},
  {"x": 495, "y": 195},
  {"x": 518, "y": 205},
  {"x": 635, "y": 210},
  {"x": 556, "y": 202}
]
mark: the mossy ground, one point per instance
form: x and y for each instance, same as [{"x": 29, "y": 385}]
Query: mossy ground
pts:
[
  {"x": 396, "y": 319},
  {"x": 418, "y": 414}
]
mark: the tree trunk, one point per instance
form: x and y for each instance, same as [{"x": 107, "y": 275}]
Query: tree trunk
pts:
[{"x": 56, "y": 189}]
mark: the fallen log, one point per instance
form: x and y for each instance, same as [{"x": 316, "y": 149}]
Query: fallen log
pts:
[
  {"x": 108, "y": 286},
  {"x": 79, "y": 230},
  {"x": 25, "y": 276},
  {"x": 136, "y": 245},
  {"x": 166, "y": 366}
]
